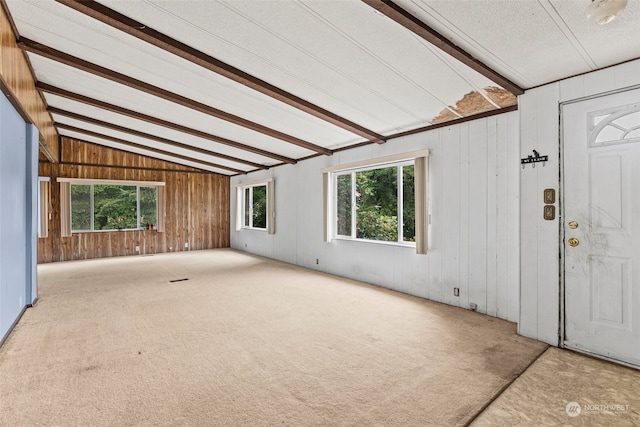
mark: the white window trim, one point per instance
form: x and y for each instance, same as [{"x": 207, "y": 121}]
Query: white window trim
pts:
[
  {"x": 271, "y": 214},
  {"x": 88, "y": 181},
  {"x": 379, "y": 161},
  {"x": 421, "y": 174}
]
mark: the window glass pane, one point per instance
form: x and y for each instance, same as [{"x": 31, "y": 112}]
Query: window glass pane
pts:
[
  {"x": 115, "y": 207},
  {"x": 377, "y": 204},
  {"x": 408, "y": 204},
  {"x": 247, "y": 206},
  {"x": 80, "y": 207},
  {"x": 148, "y": 206},
  {"x": 260, "y": 206},
  {"x": 343, "y": 205}
]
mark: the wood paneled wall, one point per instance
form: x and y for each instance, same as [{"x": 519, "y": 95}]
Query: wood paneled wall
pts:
[
  {"x": 17, "y": 83},
  {"x": 197, "y": 206}
]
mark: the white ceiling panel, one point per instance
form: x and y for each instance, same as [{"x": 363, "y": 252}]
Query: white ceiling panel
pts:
[
  {"x": 77, "y": 81},
  {"x": 220, "y": 30},
  {"x": 345, "y": 57},
  {"x": 381, "y": 74},
  {"x": 149, "y": 143},
  {"x": 153, "y": 129},
  {"x": 88, "y": 138},
  {"x": 604, "y": 44},
  {"x": 533, "y": 41},
  {"x": 119, "y": 52},
  {"x": 406, "y": 57}
]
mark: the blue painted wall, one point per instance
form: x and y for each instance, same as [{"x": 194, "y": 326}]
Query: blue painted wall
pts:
[{"x": 18, "y": 180}]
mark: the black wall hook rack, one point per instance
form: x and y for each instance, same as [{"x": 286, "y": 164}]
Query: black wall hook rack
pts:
[{"x": 536, "y": 158}]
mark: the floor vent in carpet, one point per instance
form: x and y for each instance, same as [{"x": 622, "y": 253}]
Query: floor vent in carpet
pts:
[{"x": 178, "y": 280}]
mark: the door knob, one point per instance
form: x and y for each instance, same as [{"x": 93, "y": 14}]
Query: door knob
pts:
[{"x": 573, "y": 242}]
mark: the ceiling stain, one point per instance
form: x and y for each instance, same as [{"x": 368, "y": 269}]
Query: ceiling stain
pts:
[{"x": 474, "y": 103}]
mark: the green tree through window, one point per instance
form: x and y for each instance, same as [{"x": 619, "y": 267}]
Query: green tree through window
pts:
[
  {"x": 114, "y": 207},
  {"x": 382, "y": 195},
  {"x": 148, "y": 205},
  {"x": 409, "y": 204},
  {"x": 81, "y": 212},
  {"x": 260, "y": 206},
  {"x": 255, "y": 206},
  {"x": 97, "y": 207},
  {"x": 343, "y": 205},
  {"x": 377, "y": 204}
]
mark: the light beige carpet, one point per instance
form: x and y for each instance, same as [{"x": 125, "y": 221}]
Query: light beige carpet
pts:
[{"x": 246, "y": 341}]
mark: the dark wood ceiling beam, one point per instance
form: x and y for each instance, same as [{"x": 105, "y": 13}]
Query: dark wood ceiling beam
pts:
[
  {"x": 144, "y": 147},
  {"x": 81, "y": 64},
  {"x": 141, "y": 134},
  {"x": 143, "y": 32},
  {"x": 407, "y": 20},
  {"x": 44, "y": 87}
]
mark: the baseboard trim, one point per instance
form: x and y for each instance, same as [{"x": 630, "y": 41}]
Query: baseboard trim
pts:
[{"x": 13, "y": 325}]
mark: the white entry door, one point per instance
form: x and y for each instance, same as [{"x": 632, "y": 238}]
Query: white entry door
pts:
[{"x": 601, "y": 225}]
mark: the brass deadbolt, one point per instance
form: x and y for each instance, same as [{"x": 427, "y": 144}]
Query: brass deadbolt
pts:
[
  {"x": 573, "y": 225},
  {"x": 573, "y": 242}
]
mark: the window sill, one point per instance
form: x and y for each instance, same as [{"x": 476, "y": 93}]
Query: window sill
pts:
[
  {"x": 410, "y": 245},
  {"x": 253, "y": 229},
  {"x": 112, "y": 231}
]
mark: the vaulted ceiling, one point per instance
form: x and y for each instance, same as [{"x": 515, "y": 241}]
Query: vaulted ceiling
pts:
[{"x": 234, "y": 86}]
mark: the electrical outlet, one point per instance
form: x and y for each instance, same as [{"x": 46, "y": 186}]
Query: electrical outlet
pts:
[
  {"x": 473, "y": 306},
  {"x": 137, "y": 248},
  {"x": 456, "y": 292},
  {"x": 186, "y": 245}
]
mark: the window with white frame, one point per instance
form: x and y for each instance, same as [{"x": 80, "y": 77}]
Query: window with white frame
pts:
[
  {"x": 102, "y": 205},
  {"x": 97, "y": 207},
  {"x": 255, "y": 206},
  {"x": 379, "y": 200},
  {"x": 376, "y": 203}
]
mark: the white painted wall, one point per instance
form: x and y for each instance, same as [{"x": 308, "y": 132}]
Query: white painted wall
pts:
[
  {"x": 473, "y": 241},
  {"x": 540, "y": 240}
]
